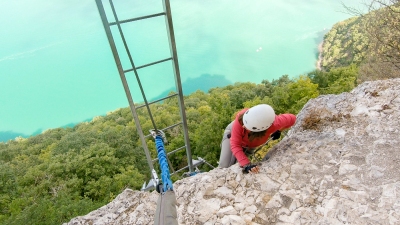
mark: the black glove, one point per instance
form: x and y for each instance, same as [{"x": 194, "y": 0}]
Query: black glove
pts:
[
  {"x": 248, "y": 168},
  {"x": 276, "y": 135}
]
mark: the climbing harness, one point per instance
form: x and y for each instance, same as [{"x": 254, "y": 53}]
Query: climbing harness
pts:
[{"x": 257, "y": 159}]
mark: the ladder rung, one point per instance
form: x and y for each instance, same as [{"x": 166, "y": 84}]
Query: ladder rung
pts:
[
  {"x": 183, "y": 168},
  {"x": 158, "y": 100},
  {"x": 149, "y": 135},
  {"x": 153, "y": 63},
  {"x": 146, "y": 65},
  {"x": 195, "y": 163},
  {"x": 172, "y": 152},
  {"x": 137, "y": 18}
]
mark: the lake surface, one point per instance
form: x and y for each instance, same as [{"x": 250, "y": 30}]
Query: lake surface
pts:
[{"x": 57, "y": 69}]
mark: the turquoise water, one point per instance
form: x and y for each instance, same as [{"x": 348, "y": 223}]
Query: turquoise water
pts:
[{"x": 56, "y": 66}]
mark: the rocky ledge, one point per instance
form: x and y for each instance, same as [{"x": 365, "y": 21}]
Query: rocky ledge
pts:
[{"x": 339, "y": 164}]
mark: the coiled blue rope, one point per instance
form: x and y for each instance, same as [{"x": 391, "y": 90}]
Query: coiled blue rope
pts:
[{"x": 162, "y": 158}]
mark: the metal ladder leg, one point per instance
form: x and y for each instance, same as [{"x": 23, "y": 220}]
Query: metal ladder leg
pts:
[{"x": 174, "y": 58}]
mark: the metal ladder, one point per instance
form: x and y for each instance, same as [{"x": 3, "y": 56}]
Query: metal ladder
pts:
[{"x": 122, "y": 73}]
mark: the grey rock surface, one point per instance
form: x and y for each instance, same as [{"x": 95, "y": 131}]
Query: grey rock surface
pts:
[{"x": 339, "y": 164}]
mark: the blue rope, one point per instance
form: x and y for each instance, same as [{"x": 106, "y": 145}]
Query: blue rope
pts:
[{"x": 162, "y": 158}]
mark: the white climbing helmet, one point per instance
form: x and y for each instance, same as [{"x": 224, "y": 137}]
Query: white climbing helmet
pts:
[{"x": 259, "y": 118}]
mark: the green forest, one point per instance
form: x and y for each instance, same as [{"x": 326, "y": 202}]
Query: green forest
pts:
[{"x": 62, "y": 173}]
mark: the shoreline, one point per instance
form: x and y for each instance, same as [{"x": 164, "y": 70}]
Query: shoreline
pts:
[{"x": 319, "y": 61}]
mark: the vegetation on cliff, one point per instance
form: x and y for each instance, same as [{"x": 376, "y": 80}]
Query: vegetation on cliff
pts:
[
  {"x": 63, "y": 173},
  {"x": 371, "y": 41}
]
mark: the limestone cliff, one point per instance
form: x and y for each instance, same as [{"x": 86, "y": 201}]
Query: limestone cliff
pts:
[{"x": 338, "y": 165}]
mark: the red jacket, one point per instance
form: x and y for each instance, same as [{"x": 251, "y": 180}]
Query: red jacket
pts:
[{"x": 239, "y": 135}]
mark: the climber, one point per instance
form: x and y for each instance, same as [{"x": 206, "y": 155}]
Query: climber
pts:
[{"x": 251, "y": 128}]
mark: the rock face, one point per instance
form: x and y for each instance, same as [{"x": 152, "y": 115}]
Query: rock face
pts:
[{"x": 339, "y": 164}]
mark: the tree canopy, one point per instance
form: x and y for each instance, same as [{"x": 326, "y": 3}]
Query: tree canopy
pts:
[
  {"x": 59, "y": 174},
  {"x": 370, "y": 40},
  {"x": 65, "y": 172}
]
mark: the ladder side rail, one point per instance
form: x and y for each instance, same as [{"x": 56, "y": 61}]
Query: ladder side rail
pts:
[
  {"x": 171, "y": 39},
  {"x": 124, "y": 81},
  {"x": 132, "y": 63}
]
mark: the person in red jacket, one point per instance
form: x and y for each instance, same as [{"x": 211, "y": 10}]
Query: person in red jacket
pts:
[{"x": 251, "y": 128}]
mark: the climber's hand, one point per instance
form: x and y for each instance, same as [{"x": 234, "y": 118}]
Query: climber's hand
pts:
[
  {"x": 276, "y": 135},
  {"x": 251, "y": 168}
]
